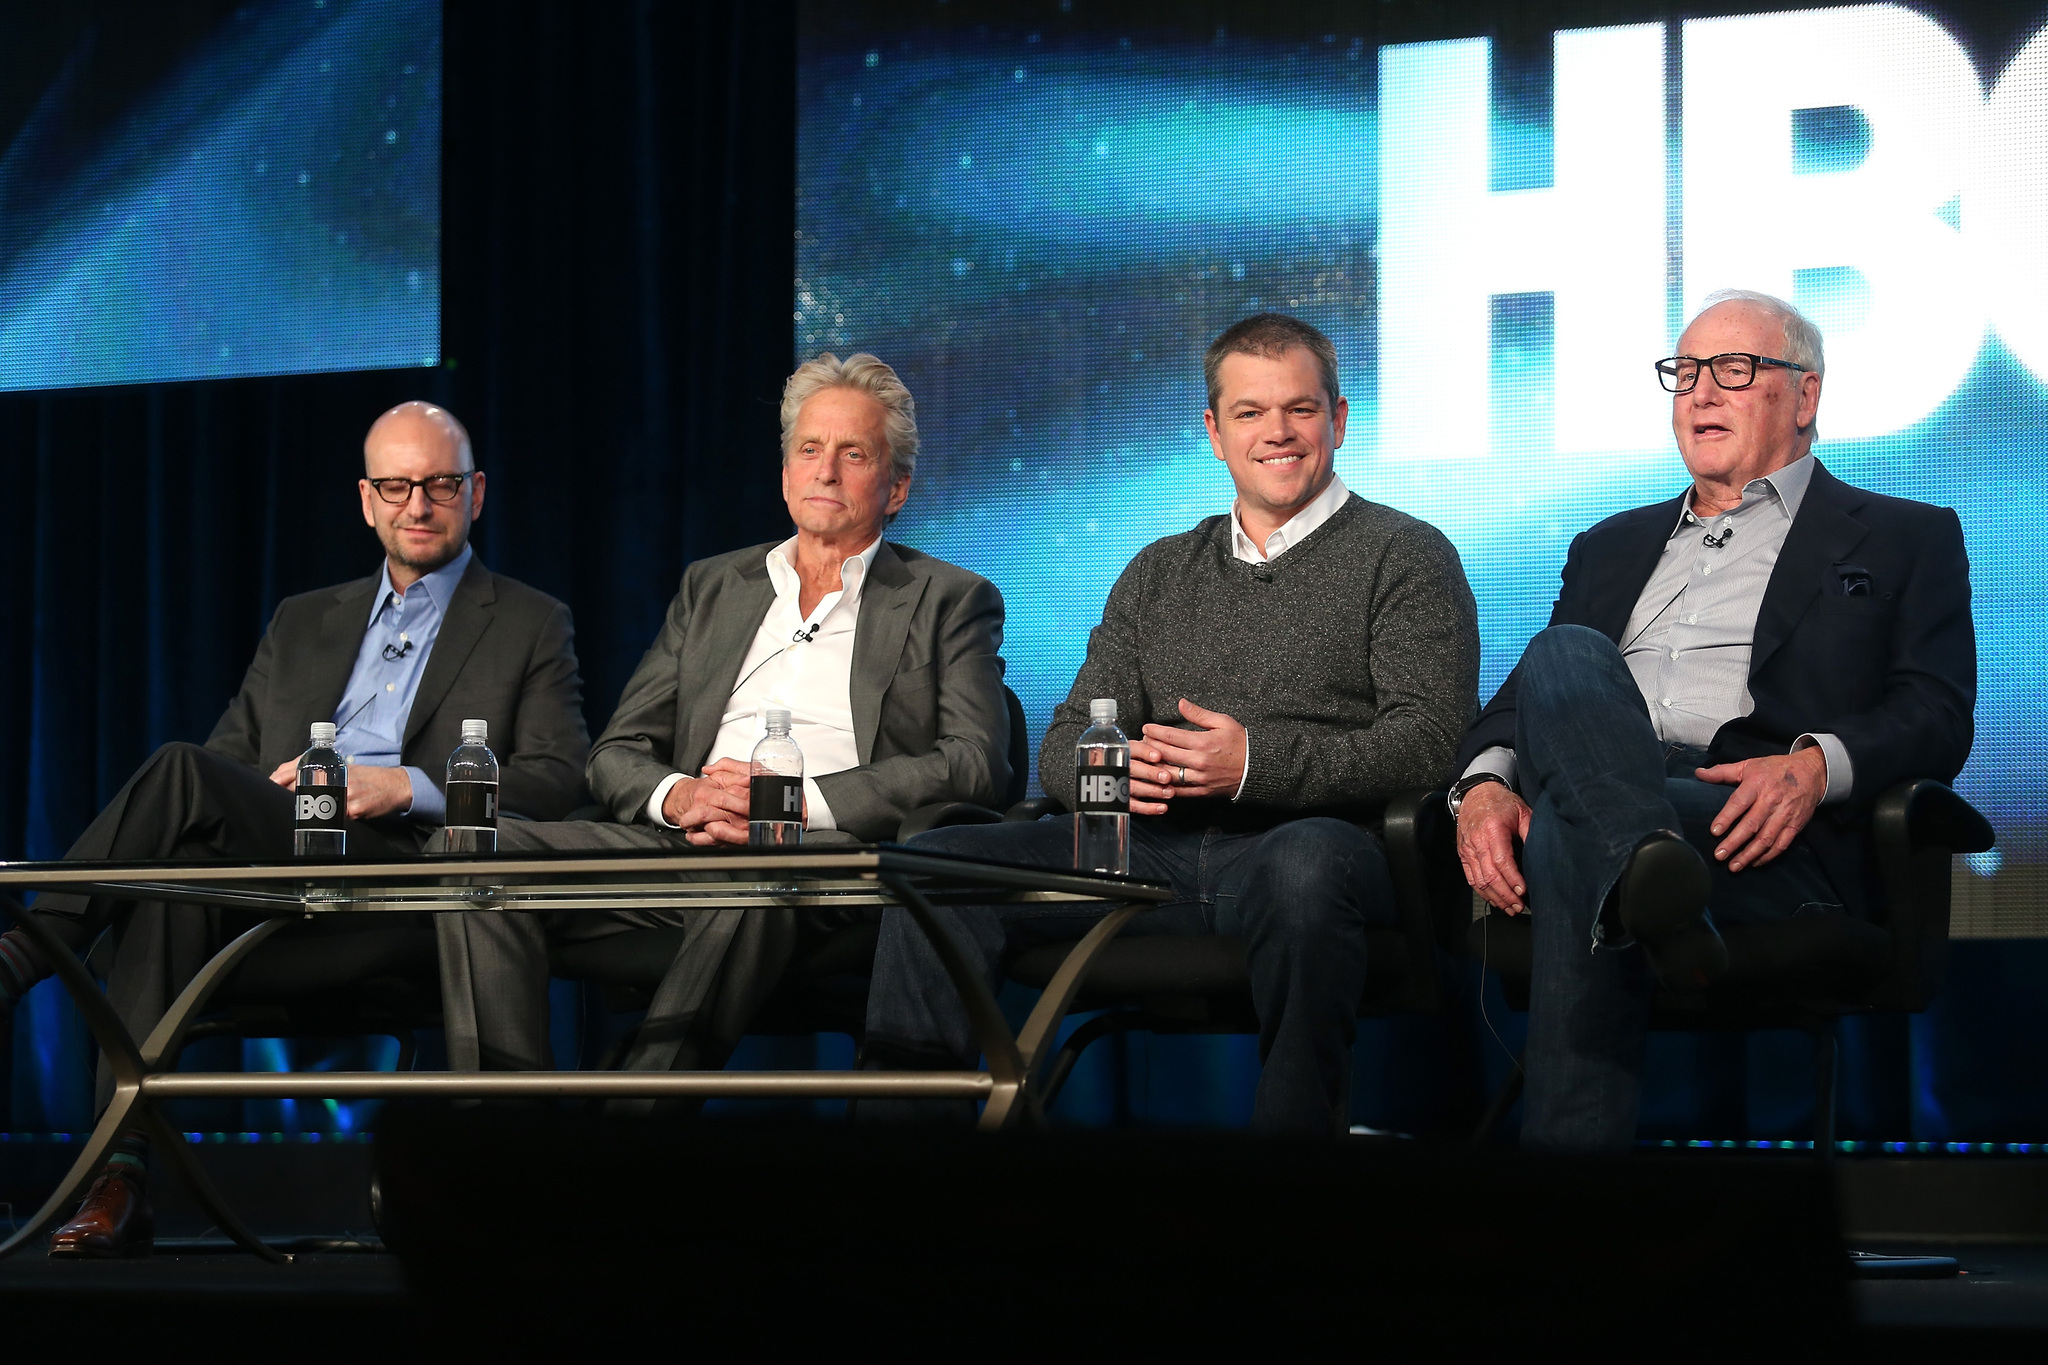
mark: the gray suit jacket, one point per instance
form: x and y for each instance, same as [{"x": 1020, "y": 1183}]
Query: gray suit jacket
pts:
[
  {"x": 929, "y": 719},
  {"x": 505, "y": 654}
]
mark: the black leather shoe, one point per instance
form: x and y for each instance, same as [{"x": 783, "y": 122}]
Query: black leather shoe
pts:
[
  {"x": 114, "y": 1221},
  {"x": 1663, "y": 903}
]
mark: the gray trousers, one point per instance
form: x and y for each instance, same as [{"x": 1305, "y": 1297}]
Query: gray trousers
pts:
[{"x": 494, "y": 965}]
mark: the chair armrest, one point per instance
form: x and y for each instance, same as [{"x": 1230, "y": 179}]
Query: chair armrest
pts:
[
  {"x": 1422, "y": 846},
  {"x": 1917, "y": 826},
  {"x": 1035, "y": 807},
  {"x": 1922, "y": 813},
  {"x": 942, "y": 813}
]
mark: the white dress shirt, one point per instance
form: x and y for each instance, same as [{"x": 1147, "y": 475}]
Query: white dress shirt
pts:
[
  {"x": 810, "y": 677},
  {"x": 1290, "y": 534}
]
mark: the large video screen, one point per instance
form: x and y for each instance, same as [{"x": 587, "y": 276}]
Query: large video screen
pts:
[
  {"x": 1042, "y": 214},
  {"x": 195, "y": 190}
]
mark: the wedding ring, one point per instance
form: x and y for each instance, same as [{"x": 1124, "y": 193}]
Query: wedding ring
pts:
[{"x": 1183, "y": 778}]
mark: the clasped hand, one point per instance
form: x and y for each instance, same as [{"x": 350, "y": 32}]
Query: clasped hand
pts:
[
  {"x": 714, "y": 808},
  {"x": 372, "y": 791},
  {"x": 1168, "y": 762},
  {"x": 1773, "y": 800}
]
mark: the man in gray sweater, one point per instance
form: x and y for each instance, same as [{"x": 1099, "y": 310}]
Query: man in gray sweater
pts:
[{"x": 1282, "y": 670}]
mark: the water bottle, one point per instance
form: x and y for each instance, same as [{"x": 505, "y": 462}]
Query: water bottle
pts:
[
  {"x": 320, "y": 819},
  {"x": 1102, "y": 799},
  {"x": 472, "y": 825},
  {"x": 775, "y": 795}
]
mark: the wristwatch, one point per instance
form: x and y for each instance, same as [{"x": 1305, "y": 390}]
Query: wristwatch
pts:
[{"x": 1465, "y": 784}]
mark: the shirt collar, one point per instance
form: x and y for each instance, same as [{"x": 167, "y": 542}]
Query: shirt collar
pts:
[
  {"x": 439, "y": 585},
  {"x": 1788, "y": 484},
  {"x": 853, "y": 571},
  {"x": 1295, "y": 529}
]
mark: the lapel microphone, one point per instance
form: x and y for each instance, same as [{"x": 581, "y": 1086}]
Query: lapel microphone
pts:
[
  {"x": 396, "y": 652},
  {"x": 804, "y": 637},
  {"x": 1716, "y": 542}
]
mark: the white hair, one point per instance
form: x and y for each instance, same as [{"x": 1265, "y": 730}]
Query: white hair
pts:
[
  {"x": 862, "y": 373},
  {"x": 1802, "y": 338}
]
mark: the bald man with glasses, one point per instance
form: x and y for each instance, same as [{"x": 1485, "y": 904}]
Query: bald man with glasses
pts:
[
  {"x": 397, "y": 661},
  {"x": 1729, "y": 680}
]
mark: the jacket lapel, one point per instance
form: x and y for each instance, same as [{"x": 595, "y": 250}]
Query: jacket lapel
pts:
[
  {"x": 888, "y": 600},
  {"x": 711, "y": 658},
  {"x": 1822, "y": 534},
  {"x": 469, "y": 616},
  {"x": 333, "y": 656},
  {"x": 1638, "y": 542}
]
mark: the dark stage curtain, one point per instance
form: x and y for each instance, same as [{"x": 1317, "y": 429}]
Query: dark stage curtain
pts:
[{"x": 618, "y": 250}]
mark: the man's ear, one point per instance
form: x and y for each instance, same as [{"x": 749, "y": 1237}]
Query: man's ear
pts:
[{"x": 369, "y": 514}]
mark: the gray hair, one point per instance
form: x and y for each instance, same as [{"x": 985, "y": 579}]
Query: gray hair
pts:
[
  {"x": 862, "y": 373},
  {"x": 1802, "y": 338}
]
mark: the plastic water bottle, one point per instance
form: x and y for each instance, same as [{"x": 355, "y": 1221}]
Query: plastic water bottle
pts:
[
  {"x": 472, "y": 825},
  {"x": 775, "y": 795},
  {"x": 1102, "y": 799},
  {"x": 320, "y": 817}
]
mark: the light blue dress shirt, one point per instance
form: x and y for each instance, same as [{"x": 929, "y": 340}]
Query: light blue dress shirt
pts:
[{"x": 370, "y": 722}]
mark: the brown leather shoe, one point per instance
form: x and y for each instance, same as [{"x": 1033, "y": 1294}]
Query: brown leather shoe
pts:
[{"x": 114, "y": 1221}]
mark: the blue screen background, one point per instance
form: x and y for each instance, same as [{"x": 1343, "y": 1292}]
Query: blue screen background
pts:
[
  {"x": 270, "y": 206},
  {"x": 1042, "y": 226}
]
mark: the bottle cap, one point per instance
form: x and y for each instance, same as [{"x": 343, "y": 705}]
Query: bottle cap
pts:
[
  {"x": 478, "y": 730},
  {"x": 1102, "y": 710},
  {"x": 323, "y": 732},
  {"x": 777, "y": 718}
]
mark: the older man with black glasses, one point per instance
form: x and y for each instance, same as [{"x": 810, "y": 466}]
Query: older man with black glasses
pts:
[
  {"x": 397, "y": 662},
  {"x": 1729, "y": 679}
]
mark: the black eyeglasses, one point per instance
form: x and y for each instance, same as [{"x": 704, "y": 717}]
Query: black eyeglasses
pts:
[
  {"x": 439, "y": 487},
  {"x": 1732, "y": 370}
]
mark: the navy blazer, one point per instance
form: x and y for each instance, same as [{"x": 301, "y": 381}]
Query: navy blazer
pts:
[{"x": 1864, "y": 632}]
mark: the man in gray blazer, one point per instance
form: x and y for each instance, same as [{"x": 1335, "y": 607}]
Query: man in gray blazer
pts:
[
  {"x": 398, "y": 661},
  {"x": 888, "y": 662}
]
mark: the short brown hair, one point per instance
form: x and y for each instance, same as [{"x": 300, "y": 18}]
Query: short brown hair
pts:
[{"x": 1266, "y": 335}]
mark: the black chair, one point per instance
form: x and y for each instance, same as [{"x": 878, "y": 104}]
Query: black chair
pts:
[
  {"x": 351, "y": 976},
  {"x": 1804, "y": 973},
  {"x": 825, "y": 988},
  {"x": 1199, "y": 983}
]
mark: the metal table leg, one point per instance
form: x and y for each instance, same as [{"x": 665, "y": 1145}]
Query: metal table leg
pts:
[
  {"x": 128, "y": 1109},
  {"x": 1013, "y": 1062}
]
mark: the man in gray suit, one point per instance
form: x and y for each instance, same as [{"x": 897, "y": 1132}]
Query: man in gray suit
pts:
[
  {"x": 398, "y": 661},
  {"x": 888, "y": 662}
]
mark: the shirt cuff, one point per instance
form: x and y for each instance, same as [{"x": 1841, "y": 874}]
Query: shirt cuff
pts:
[
  {"x": 1499, "y": 760},
  {"x": 654, "y": 802},
  {"x": 1841, "y": 773},
  {"x": 1246, "y": 776},
  {"x": 428, "y": 804},
  {"x": 818, "y": 811}
]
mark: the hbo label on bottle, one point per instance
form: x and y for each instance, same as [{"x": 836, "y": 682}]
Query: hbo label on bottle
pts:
[
  {"x": 1104, "y": 791},
  {"x": 775, "y": 799},
  {"x": 320, "y": 808}
]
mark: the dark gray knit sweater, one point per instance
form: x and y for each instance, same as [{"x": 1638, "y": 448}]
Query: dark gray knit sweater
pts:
[{"x": 1352, "y": 661}]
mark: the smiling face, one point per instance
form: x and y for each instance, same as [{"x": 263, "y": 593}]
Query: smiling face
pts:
[
  {"x": 412, "y": 441},
  {"x": 837, "y": 477},
  {"x": 1728, "y": 437},
  {"x": 1276, "y": 428}
]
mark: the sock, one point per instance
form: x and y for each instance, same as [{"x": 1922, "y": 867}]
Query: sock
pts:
[
  {"x": 130, "y": 1158},
  {"x": 21, "y": 967}
]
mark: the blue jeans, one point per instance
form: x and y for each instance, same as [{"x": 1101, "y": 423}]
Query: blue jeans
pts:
[
  {"x": 1597, "y": 780},
  {"x": 1300, "y": 894}
]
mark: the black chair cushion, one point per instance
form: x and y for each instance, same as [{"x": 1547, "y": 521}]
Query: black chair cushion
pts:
[
  {"x": 1193, "y": 976},
  {"x": 293, "y": 964}
]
